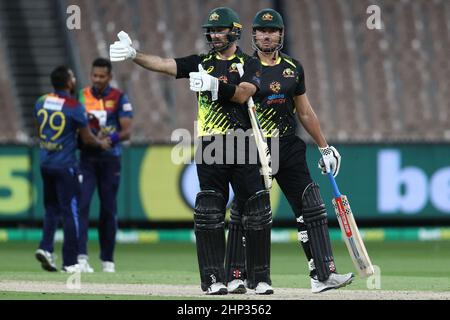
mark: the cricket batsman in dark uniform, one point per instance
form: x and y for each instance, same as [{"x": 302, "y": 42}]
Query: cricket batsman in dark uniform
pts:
[
  {"x": 222, "y": 96},
  {"x": 282, "y": 97}
]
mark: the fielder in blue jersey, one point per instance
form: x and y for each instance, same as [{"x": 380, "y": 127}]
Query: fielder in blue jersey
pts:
[
  {"x": 110, "y": 115},
  {"x": 59, "y": 119}
]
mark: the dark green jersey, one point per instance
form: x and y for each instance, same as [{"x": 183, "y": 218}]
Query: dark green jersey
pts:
[
  {"x": 275, "y": 99},
  {"x": 218, "y": 117}
]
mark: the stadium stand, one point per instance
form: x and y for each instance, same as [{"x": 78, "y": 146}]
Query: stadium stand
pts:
[
  {"x": 375, "y": 85},
  {"x": 366, "y": 85},
  {"x": 10, "y": 119},
  {"x": 35, "y": 45}
]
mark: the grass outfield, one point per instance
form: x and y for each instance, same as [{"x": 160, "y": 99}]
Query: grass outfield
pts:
[{"x": 411, "y": 266}]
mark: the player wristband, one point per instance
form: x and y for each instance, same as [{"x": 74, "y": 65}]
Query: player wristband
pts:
[
  {"x": 226, "y": 91},
  {"x": 114, "y": 138}
]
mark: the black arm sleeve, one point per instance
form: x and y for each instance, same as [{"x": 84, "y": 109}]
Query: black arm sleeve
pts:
[
  {"x": 226, "y": 91},
  {"x": 300, "y": 89},
  {"x": 186, "y": 65},
  {"x": 252, "y": 72}
]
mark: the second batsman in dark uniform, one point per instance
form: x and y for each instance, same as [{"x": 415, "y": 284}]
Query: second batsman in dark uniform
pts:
[
  {"x": 282, "y": 95},
  {"x": 222, "y": 96}
]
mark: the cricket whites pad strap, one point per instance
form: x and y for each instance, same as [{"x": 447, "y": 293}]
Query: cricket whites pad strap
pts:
[
  {"x": 210, "y": 236},
  {"x": 235, "y": 254},
  {"x": 257, "y": 222},
  {"x": 315, "y": 217}
]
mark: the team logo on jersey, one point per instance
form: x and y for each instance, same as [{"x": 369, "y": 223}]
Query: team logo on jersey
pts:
[
  {"x": 233, "y": 68},
  {"x": 267, "y": 17},
  {"x": 210, "y": 69},
  {"x": 224, "y": 79},
  {"x": 288, "y": 73},
  {"x": 107, "y": 130},
  {"x": 109, "y": 104},
  {"x": 214, "y": 17},
  {"x": 275, "y": 86}
]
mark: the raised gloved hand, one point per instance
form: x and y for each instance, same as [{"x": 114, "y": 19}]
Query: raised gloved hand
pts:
[
  {"x": 330, "y": 160},
  {"x": 122, "y": 50},
  {"x": 201, "y": 81}
]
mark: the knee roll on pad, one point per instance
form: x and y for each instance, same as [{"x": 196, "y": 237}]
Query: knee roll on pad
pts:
[
  {"x": 257, "y": 212},
  {"x": 257, "y": 222},
  {"x": 210, "y": 236},
  {"x": 315, "y": 217},
  {"x": 235, "y": 254},
  {"x": 209, "y": 210},
  {"x": 313, "y": 208}
]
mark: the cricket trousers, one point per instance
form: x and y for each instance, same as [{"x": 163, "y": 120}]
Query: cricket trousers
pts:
[
  {"x": 239, "y": 171},
  {"x": 293, "y": 177},
  {"x": 61, "y": 192},
  {"x": 293, "y": 174},
  {"x": 102, "y": 174}
]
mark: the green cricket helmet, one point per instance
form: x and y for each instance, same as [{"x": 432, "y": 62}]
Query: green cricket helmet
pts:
[
  {"x": 223, "y": 17},
  {"x": 270, "y": 19}
]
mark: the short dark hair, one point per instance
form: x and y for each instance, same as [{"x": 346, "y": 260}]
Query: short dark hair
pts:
[
  {"x": 60, "y": 76},
  {"x": 103, "y": 63}
]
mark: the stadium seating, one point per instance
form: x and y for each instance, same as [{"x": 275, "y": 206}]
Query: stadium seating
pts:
[
  {"x": 370, "y": 85},
  {"x": 365, "y": 85},
  {"x": 10, "y": 119}
]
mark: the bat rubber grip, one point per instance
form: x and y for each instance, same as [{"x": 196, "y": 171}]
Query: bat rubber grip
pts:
[{"x": 336, "y": 192}]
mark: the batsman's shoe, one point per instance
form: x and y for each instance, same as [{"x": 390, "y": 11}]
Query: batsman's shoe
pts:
[
  {"x": 84, "y": 264},
  {"x": 236, "y": 286},
  {"x": 263, "y": 288},
  {"x": 335, "y": 281},
  {"x": 46, "y": 259},
  {"x": 217, "y": 288},
  {"x": 108, "y": 266},
  {"x": 71, "y": 269}
]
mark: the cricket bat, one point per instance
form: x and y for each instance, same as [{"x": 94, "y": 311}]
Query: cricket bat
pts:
[
  {"x": 261, "y": 144},
  {"x": 350, "y": 232}
]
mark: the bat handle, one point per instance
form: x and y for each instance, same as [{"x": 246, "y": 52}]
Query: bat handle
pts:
[
  {"x": 240, "y": 69},
  {"x": 336, "y": 192}
]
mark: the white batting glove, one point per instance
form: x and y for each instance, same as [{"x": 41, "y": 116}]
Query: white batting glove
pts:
[
  {"x": 201, "y": 81},
  {"x": 122, "y": 50},
  {"x": 330, "y": 161}
]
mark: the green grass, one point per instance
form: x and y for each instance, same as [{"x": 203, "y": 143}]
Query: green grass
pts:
[{"x": 420, "y": 266}]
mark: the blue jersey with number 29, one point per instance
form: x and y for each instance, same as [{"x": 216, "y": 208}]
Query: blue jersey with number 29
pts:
[{"x": 59, "y": 116}]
